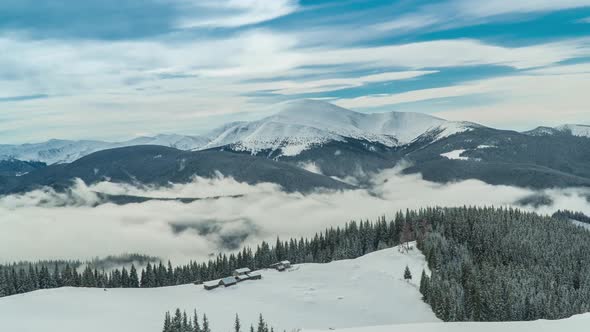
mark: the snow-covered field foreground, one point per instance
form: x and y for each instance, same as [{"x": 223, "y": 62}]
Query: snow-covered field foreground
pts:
[
  {"x": 574, "y": 324},
  {"x": 368, "y": 291}
]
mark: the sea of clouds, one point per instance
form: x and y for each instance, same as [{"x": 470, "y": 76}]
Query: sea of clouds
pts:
[{"x": 79, "y": 224}]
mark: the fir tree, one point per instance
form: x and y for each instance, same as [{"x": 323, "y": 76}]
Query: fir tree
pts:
[
  {"x": 407, "y": 273},
  {"x": 177, "y": 321},
  {"x": 196, "y": 325},
  {"x": 424, "y": 280},
  {"x": 205, "y": 324},
  {"x": 237, "y": 326},
  {"x": 167, "y": 323}
]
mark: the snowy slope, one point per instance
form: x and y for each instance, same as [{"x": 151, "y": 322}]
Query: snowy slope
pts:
[
  {"x": 579, "y": 323},
  {"x": 299, "y": 125},
  {"x": 542, "y": 131},
  {"x": 253, "y": 137},
  {"x": 446, "y": 129},
  {"x": 455, "y": 155},
  {"x": 52, "y": 151},
  {"x": 64, "y": 151},
  {"x": 362, "y": 292},
  {"x": 294, "y": 127},
  {"x": 572, "y": 129},
  {"x": 581, "y": 224},
  {"x": 576, "y": 130},
  {"x": 181, "y": 142}
]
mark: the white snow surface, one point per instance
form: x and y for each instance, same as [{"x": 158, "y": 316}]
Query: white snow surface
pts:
[
  {"x": 578, "y": 323},
  {"x": 256, "y": 136},
  {"x": 455, "y": 154},
  {"x": 575, "y": 129},
  {"x": 294, "y": 127},
  {"x": 65, "y": 151},
  {"x": 450, "y": 128},
  {"x": 542, "y": 131},
  {"x": 299, "y": 125},
  {"x": 581, "y": 224},
  {"x": 366, "y": 291}
]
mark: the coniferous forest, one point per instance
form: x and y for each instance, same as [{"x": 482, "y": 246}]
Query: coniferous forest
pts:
[
  {"x": 505, "y": 265},
  {"x": 181, "y": 322},
  {"x": 571, "y": 215},
  {"x": 487, "y": 264}
]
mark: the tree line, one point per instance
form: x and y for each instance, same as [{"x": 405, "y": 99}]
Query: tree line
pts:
[
  {"x": 350, "y": 241},
  {"x": 571, "y": 215},
  {"x": 181, "y": 322},
  {"x": 487, "y": 264}
]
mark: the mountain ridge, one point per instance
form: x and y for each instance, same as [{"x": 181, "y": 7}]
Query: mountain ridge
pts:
[{"x": 295, "y": 126}]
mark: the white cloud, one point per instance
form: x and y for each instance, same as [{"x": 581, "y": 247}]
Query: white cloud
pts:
[
  {"x": 455, "y": 13},
  {"x": 548, "y": 96},
  {"x": 451, "y": 53},
  {"x": 409, "y": 22},
  {"x": 232, "y": 13},
  {"x": 323, "y": 85},
  {"x": 502, "y": 7},
  {"x": 123, "y": 87},
  {"x": 38, "y": 226},
  {"x": 381, "y": 100}
]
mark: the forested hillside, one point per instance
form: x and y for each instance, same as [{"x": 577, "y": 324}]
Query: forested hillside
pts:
[
  {"x": 505, "y": 265},
  {"x": 487, "y": 264}
]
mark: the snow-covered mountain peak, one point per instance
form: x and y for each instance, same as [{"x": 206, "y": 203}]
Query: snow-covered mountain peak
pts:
[
  {"x": 389, "y": 128},
  {"x": 542, "y": 131},
  {"x": 294, "y": 126},
  {"x": 298, "y": 125},
  {"x": 405, "y": 126},
  {"x": 56, "y": 151},
  {"x": 314, "y": 112},
  {"x": 571, "y": 129},
  {"x": 257, "y": 136}
]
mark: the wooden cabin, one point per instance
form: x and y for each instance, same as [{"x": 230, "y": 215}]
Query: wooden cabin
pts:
[
  {"x": 228, "y": 281},
  {"x": 281, "y": 266},
  {"x": 255, "y": 275},
  {"x": 211, "y": 285},
  {"x": 242, "y": 271},
  {"x": 242, "y": 277}
]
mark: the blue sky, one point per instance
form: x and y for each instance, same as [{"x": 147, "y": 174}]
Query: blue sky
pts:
[{"x": 114, "y": 69}]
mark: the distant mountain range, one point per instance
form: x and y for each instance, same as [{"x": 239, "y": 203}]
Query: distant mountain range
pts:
[
  {"x": 312, "y": 144},
  {"x": 295, "y": 127},
  {"x": 57, "y": 151}
]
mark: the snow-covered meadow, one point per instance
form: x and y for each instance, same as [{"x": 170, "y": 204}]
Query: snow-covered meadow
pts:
[
  {"x": 577, "y": 323},
  {"x": 353, "y": 293}
]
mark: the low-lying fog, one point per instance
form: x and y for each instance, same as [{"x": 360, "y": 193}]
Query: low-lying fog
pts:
[{"x": 44, "y": 224}]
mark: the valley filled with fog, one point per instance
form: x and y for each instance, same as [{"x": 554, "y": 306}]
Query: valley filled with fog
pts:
[{"x": 79, "y": 223}]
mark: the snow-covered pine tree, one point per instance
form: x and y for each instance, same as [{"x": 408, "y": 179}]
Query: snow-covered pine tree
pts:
[
  {"x": 196, "y": 325},
  {"x": 167, "y": 323},
  {"x": 407, "y": 273},
  {"x": 237, "y": 326},
  {"x": 424, "y": 285},
  {"x": 206, "y": 327}
]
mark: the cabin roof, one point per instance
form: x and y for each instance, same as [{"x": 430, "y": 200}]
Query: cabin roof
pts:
[
  {"x": 229, "y": 280},
  {"x": 242, "y": 270}
]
